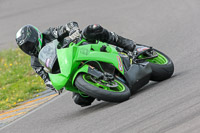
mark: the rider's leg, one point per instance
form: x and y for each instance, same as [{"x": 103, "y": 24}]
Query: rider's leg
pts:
[
  {"x": 97, "y": 32},
  {"x": 82, "y": 101}
]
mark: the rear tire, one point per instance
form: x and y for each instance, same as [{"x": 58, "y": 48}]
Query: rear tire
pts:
[
  {"x": 93, "y": 90},
  {"x": 162, "y": 72},
  {"x": 162, "y": 66}
]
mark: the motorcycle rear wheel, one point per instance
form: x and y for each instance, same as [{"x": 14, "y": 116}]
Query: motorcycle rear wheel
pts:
[
  {"x": 116, "y": 94},
  {"x": 162, "y": 67}
]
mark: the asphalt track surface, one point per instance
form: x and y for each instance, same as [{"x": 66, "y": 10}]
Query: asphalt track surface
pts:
[{"x": 172, "y": 26}]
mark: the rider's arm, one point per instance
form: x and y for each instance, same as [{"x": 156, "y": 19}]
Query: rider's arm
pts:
[
  {"x": 39, "y": 69},
  {"x": 60, "y": 32}
]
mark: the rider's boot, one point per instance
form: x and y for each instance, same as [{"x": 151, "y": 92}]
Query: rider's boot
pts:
[
  {"x": 97, "y": 32},
  {"x": 120, "y": 41},
  {"x": 82, "y": 101}
]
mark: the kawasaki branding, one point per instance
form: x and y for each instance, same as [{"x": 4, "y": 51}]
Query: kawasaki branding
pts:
[{"x": 120, "y": 66}]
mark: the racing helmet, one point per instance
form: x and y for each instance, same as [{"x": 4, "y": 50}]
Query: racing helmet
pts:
[{"x": 29, "y": 39}]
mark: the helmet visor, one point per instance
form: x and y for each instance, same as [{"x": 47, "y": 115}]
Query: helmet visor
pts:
[
  {"x": 30, "y": 48},
  {"x": 31, "y": 43}
]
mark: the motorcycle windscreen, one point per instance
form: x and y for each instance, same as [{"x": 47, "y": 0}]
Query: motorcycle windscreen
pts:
[{"x": 48, "y": 56}]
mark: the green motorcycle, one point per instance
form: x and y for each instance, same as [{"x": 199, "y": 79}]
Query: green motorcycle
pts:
[{"x": 103, "y": 71}]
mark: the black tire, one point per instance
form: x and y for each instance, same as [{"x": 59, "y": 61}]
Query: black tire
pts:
[
  {"x": 162, "y": 72},
  {"x": 100, "y": 93}
]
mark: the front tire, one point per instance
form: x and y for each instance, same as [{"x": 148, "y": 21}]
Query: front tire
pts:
[{"x": 119, "y": 94}]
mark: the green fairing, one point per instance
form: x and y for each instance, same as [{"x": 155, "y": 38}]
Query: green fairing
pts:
[
  {"x": 58, "y": 80},
  {"x": 70, "y": 59},
  {"x": 111, "y": 56}
]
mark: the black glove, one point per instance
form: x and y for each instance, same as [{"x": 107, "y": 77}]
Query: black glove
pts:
[
  {"x": 74, "y": 31},
  {"x": 75, "y": 34},
  {"x": 50, "y": 86},
  {"x": 72, "y": 27}
]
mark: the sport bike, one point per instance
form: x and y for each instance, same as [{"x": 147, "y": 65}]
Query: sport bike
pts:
[{"x": 103, "y": 71}]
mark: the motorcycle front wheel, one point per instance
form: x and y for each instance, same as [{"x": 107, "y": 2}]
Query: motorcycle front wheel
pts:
[{"x": 119, "y": 92}]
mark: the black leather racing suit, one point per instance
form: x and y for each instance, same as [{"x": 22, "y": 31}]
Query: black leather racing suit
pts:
[{"x": 49, "y": 35}]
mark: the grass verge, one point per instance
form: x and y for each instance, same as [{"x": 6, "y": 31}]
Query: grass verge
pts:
[{"x": 18, "y": 81}]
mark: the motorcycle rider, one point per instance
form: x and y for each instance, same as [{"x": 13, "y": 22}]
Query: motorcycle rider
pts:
[{"x": 31, "y": 40}]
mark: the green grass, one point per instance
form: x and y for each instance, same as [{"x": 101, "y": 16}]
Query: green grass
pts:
[{"x": 18, "y": 81}]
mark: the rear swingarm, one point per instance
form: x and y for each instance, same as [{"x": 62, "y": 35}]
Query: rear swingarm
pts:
[{"x": 148, "y": 54}]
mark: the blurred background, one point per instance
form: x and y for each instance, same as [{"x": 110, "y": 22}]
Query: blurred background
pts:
[{"x": 156, "y": 22}]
